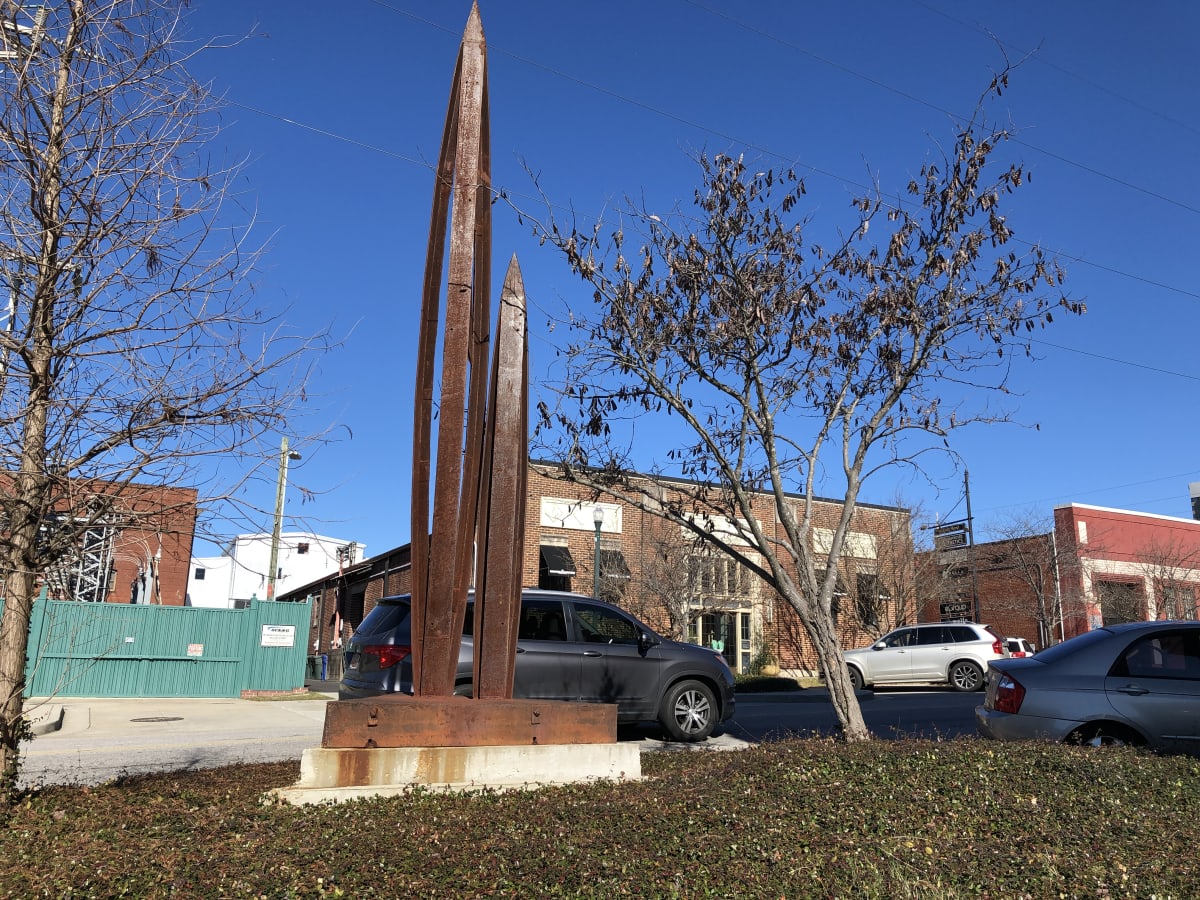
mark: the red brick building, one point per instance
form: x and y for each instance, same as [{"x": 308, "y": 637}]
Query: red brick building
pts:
[
  {"x": 140, "y": 553},
  {"x": 1098, "y": 567},
  {"x": 656, "y": 572},
  {"x": 1126, "y": 566},
  {"x": 1010, "y": 585}
]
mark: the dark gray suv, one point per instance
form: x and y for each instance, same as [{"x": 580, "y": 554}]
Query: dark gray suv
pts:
[{"x": 569, "y": 647}]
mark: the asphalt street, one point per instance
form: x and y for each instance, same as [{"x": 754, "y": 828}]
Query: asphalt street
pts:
[{"x": 92, "y": 741}]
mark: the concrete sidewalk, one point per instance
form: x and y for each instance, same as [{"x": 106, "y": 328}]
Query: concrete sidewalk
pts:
[
  {"x": 51, "y": 714},
  {"x": 94, "y": 740}
]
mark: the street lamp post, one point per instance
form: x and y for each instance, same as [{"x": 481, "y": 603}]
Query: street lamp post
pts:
[
  {"x": 273, "y": 571},
  {"x": 598, "y": 518}
]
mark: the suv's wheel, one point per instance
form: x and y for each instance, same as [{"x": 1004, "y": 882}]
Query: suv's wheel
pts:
[
  {"x": 856, "y": 678},
  {"x": 966, "y": 676},
  {"x": 688, "y": 711}
]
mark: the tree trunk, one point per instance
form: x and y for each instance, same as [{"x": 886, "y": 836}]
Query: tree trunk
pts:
[
  {"x": 837, "y": 679},
  {"x": 14, "y": 636}
]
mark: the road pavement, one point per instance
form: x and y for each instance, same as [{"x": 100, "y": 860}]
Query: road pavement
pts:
[{"x": 92, "y": 741}]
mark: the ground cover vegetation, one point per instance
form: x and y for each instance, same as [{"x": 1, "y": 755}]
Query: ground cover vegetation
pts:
[{"x": 801, "y": 818}]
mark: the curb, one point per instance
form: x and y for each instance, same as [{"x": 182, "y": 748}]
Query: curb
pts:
[
  {"x": 45, "y": 719},
  {"x": 807, "y": 695}
]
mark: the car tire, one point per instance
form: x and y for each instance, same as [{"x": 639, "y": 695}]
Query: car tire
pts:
[
  {"x": 856, "y": 678},
  {"x": 464, "y": 689},
  {"x": 688, "y": 712},
  {"x": 966, "y": 677},
  {"x": 1101, "y": 736}
]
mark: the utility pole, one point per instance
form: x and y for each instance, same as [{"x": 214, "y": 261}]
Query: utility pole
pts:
[
  {"x": 971, "y": 542},
  {"x": 273, "y": 571}
]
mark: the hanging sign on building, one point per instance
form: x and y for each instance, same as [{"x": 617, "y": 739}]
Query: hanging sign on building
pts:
[
  {"x": 955, "y": 609},
  {"x": 950, "y": 537}
]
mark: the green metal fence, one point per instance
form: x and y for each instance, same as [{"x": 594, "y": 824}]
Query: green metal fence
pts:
[{"x": 124, "y": 650}]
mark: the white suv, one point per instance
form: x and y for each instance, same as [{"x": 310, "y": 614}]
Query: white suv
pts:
[{"x": 956, "y": 653}]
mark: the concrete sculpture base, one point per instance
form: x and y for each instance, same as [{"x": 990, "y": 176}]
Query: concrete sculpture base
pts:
[
  {"x": 333, "y": 775},
  {"x": 391, "y": 745}
]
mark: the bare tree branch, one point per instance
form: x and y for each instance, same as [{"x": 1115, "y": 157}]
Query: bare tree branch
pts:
[
  {"x": 131, "y": 353},
  {"x": 781, "y": 360}
]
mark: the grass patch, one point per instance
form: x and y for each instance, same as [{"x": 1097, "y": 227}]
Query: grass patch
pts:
[{"x": 811, "y": 818}]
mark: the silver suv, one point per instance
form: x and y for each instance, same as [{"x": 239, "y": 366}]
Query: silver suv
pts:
[{"x": 955, "y": 653}]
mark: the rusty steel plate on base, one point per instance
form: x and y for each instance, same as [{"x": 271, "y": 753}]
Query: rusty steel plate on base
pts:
[{"x": 404, "y": 721}]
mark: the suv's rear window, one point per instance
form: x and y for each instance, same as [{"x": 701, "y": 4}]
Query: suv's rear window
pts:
[{"x": 386, "y": 616}]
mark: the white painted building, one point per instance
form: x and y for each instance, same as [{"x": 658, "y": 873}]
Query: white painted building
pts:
[{"x": 239, "y": 575}]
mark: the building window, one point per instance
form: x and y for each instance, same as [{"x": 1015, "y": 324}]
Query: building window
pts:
[
  {"x": 1119, "y": 602},
  {"x": 556, "y": 567},
  {"x": 613, "y": 565},
  {"x": 839, "y": 592},
  {"x": 1179, "y": 602},
  {"x": 712, "y": 576},
  {"x": 614, "y": 575},
  {"x": 870, "y": 599},
  {"x": 199, "y": 574},
  {"x": 302, "y": 548}
]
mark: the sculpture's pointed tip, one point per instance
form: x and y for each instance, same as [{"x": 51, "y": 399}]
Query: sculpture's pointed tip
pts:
[
  {"x": 513, "y": 280},
  {"x": 474, "y": 22}
]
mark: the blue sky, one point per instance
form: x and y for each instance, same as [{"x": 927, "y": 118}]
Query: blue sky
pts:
[{"x": 339, "y": 110}]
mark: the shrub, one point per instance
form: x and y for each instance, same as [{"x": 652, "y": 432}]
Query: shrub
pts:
[{"x": 811, "y": 818}]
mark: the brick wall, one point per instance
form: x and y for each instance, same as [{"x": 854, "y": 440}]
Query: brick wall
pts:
[{"x": 637, "y": 535}]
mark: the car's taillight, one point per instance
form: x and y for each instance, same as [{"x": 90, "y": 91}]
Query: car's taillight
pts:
[
  {"x": 997, "y": 648},
  {"x": 387, "y": 654},
  {"x": 1009, "y": 694}
]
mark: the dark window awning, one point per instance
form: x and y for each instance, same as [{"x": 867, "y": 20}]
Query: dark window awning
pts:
[
  {"x": 557, "y": 560},
  {"x": 612, "y": 564}
]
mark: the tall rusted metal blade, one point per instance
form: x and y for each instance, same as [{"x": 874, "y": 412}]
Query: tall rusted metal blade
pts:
[
  {"x": 502, "y": 513},
  {"x": 481, "y": 290},
  {"x": 426, "y": 357},
  {"x": 439, "y": 613}
]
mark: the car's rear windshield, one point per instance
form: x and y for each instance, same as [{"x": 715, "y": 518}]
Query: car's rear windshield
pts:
[
  {"x": 1074, "y": 645},
  {"x": 388, "y": 615}
]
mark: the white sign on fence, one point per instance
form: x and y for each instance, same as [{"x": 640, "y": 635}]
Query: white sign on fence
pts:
[{"x": 278, "y": 636}]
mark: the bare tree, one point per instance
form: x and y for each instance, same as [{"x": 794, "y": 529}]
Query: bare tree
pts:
[
  {"x": 1028, "y": 555},
  {"x": 130, "y": 352},
  {"x": 681, "y": 578},
  {"x": 1170, "y": 569},
  {"x": 781, "y": 360},
  {"x": 664, "y": 588},
  {"x": 887, "y": 596}
]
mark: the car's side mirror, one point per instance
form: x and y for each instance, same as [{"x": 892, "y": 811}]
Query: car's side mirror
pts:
[
  {"x": 646, "y": 641},
  {"x": 880, "y": 646}
]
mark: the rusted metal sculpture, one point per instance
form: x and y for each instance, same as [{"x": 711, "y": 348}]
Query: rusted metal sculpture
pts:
[
  {"x": 478, "y": 519},
  {"x": 482, "y": 434}
]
